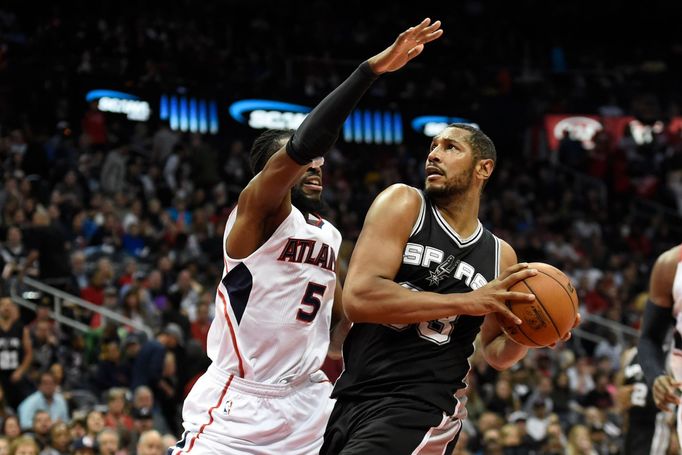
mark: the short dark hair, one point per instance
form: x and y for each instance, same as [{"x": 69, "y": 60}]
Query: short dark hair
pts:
[
  {"x": 265, "y": 146},
  {"x": 480, "y": 143}
]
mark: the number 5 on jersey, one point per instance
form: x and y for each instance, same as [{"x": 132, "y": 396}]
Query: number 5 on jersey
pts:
[{"x": 311, "y": 302}]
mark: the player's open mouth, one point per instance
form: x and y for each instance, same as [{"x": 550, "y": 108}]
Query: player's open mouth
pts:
[{"x": 313, "y": 183}]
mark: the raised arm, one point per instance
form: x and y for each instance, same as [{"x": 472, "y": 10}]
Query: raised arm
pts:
[
  {"x": 371, "y": 295},
  {"x": 266, "y": 201}
]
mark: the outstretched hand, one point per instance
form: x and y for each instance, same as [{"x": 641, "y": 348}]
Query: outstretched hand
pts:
[{"x": 407, "y": 46}]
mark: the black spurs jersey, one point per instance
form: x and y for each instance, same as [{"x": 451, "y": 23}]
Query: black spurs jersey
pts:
[
  {"x": 641, "y": 436},
  {"x": 11, "y": 348},
  {"x": 643, "y": 408},
  {"x": 429, "y": 360}
]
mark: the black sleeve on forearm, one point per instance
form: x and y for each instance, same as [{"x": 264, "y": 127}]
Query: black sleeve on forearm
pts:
[
  {"x": 655, "y": 325},
  {"x": 321, "y": 127}
]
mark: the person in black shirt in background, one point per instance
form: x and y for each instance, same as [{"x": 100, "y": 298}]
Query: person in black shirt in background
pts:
[{"x": 16, "y": 353}]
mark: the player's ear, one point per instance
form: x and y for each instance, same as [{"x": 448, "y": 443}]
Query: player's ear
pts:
[{"x": 484, "y": 168}]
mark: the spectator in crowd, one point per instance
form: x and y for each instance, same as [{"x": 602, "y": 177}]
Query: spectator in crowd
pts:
[
  {"x": 44, "y": 399},
  {"x": 47, "y": 245},
  {"x": 60, "y": 440},
  {"x": 24, "y": 445},
  {"x": 108, "y": 442},
  {"x": 40, "y": 430},
  {"x": 11, "y": 428},
  {"x": 110, "y": 371},
  {"x": 16, "y": 352},
  {"x": 45, "y": 346},
  {"x": 580, "y": 442},
  {"x": 94, "y": 424},
  {"x": 117, "y": 416},
  {"x": 4, "y": 445},
  {"x": 202, "y": 323},
  {"x": 143, "y": 407},
  {"x": 150, "y": 443},
  {"x": 14, "y": 254}
]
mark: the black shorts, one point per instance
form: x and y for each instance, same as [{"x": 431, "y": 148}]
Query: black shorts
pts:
[{"x": 389, "y": 425}]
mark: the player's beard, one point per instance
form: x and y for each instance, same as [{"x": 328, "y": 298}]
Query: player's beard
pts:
[
  {"x": 454, "y": 187},
  {"x": 306, "y": 204}
]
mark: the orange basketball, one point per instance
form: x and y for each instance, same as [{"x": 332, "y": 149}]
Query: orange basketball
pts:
[{"x": 550, "y": 316}]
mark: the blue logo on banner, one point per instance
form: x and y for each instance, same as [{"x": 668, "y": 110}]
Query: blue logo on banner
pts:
[
  {"x": 239, "y": 108},
  {"x": 361, "y": 126},
  {"x": 97, "y": 94}
]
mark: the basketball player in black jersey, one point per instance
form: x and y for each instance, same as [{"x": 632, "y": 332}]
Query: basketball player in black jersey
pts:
[
  {"x": 424, "y": 278},
  {"x": 646, "y": 429}
]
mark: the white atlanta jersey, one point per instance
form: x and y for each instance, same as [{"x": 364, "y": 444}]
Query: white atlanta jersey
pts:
[
  {"x": 676, "y": 351},
  {"x": 273, "y": 308}
]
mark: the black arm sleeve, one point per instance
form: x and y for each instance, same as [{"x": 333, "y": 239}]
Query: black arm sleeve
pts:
[
  {"x": 321, "y": 127},
  {"x": 655, "y": 325}
]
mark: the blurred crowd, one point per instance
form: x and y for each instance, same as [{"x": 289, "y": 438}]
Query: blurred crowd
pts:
[{"x": 130, "y": 216}]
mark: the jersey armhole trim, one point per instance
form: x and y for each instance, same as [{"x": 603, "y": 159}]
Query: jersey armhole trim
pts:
[
  {"x": 419, "y": 223},
  {"x": 498, "y": 256}
]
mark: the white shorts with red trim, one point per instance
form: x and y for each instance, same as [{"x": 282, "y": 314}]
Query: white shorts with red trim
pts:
[{"x": 224, "y": 414}]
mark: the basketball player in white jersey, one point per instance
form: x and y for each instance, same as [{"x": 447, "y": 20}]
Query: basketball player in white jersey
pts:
[
  {"x": 264, "y": 393},
  {"x": 664, "y": 308}
]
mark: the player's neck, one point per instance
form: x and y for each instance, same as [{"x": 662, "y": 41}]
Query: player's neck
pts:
[{"x": 461, "y": 212}]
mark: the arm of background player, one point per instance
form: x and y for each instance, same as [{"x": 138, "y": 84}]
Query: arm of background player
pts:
[
  {"x": 371, "y": 295},
  {"x": 500, "y": 351},
  {"x": 340, "y": 324},
  {"x": 623, "y": 396},
  {"x": 266, "y": 200},
  {"x": 655, "y": 326}
]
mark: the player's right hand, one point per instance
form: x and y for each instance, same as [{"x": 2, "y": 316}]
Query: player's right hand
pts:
[
  {"x": 407, "y": 46},
  {"x": 666, "y": 391},
  {"x": 492, "y": 297}
]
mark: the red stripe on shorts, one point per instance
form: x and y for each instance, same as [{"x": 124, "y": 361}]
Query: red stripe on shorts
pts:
[{"x": 210, "y": 415}]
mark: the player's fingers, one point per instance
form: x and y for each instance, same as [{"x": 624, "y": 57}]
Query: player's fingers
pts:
[
  {"x": 432, "y": 36},
  {"x": 515, "y": 277},
  {"x": 519, "y": 296},
  {"x": 578, "y": 320},
  {"x": 423, "y": 24},
  {"x": 430, "y": 29},
  {"x": 512, "y": 269},
  {"x": 412, "y": 53},
  {"x": 508, "y": 314},
  {"x": 672, "y": 398},
  {"x": 566, "y": 337}
]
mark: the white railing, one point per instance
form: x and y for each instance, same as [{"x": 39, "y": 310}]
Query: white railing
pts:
[{"x": 60, "y": 298}]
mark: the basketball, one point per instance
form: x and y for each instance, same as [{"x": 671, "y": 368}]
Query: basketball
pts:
[{"x": 550, "y": 316}]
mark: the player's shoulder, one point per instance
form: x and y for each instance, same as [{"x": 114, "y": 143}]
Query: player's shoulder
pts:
[
  {"x": 670, "y": 258},
  {"x": 401, "y": 196}
]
